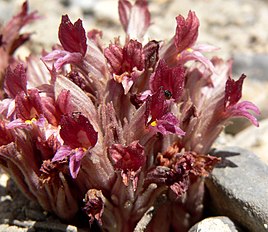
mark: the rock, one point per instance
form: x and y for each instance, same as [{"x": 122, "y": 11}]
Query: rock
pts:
[
  {"x": 256, "y": 69},
  {"x": 84, "y": 4},
  {"x": 215, "y": 224},
  {"x": 255, "y": 66},
  {"x": 7, "y": 11},
  {"x": 8, "y": 228},
  {"x": 254, "y": 139},
  {"x": 237, "y": 188}
]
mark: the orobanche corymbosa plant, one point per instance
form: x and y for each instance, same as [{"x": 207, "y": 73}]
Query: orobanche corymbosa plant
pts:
[{"x": 120, "y": 133}]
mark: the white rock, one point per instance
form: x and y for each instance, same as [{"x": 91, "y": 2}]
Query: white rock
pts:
[
  {"x": 254, "y": 139},
  {"x": 214, "y": 224}
]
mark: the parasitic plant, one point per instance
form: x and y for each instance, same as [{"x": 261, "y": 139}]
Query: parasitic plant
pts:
[{"x": 121, "y": 132}]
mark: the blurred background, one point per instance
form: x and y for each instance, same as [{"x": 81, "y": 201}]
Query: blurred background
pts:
[{"x": 236, "y": 26}]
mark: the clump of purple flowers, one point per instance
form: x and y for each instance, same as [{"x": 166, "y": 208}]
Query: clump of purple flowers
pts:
[{"x": 122, "y": 131}]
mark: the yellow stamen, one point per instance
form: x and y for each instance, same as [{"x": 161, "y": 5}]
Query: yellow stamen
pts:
[
  {"x": 30, "y": 121},
  {"x": 189, "y": 50},
  {"x": 154, "y": 123},
  {"x": 84, "y": 149}
]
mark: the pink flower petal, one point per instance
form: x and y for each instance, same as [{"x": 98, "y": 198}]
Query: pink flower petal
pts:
[
  {"x": 15, "y": 80},
  {"x": 64, "y": 102},
  {"x": 75, "y": 162},
  {"x": 188, "y": 55},
  {"x": 29, "y": 106},
  {"x": 61, "y": 58},
  {"x": 168, "y": 124},
  {"x": 169, "y": 79},
  {"x": 233, "y": 91},
  {"x": 17, "y": 123},
  {"x": 186, "y": 31},
  {"x": 114, "y": 55},
  {"x": 62, "y": 153},
  {"x": 127, "y": 83},
  {"x": 156, "y": 106},
  {"x": 242, "y": 109},
  {"x": 205, "y": 48},
  {"x": 72, "y": 36},
  {"x": 76, "y": 131}
]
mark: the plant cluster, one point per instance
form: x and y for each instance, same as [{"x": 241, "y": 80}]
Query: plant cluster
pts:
[{"x": 122, "y": 131}]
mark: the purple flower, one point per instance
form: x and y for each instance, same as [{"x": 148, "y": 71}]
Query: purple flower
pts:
[
  {"x": 76, "y": 155},
  {"x": 171, "y": 80},
  {"x": 186, "y": 31},
  {"x": 34, "y": 103},
  {"x": 72, "y": 36},
  {"x": 157, "y": 117},
  {"x": 29, "y": 106},
  {"x": 126, "y": 63},
  {"x": 73, "y": 41},
  {"x": 79, "y": 136},
  {"x": 182, "y": 47},
  {"x": 61, "y": 57},
  {"x": 233, "y": 91},
  {"x": 233, "y": 108}
]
